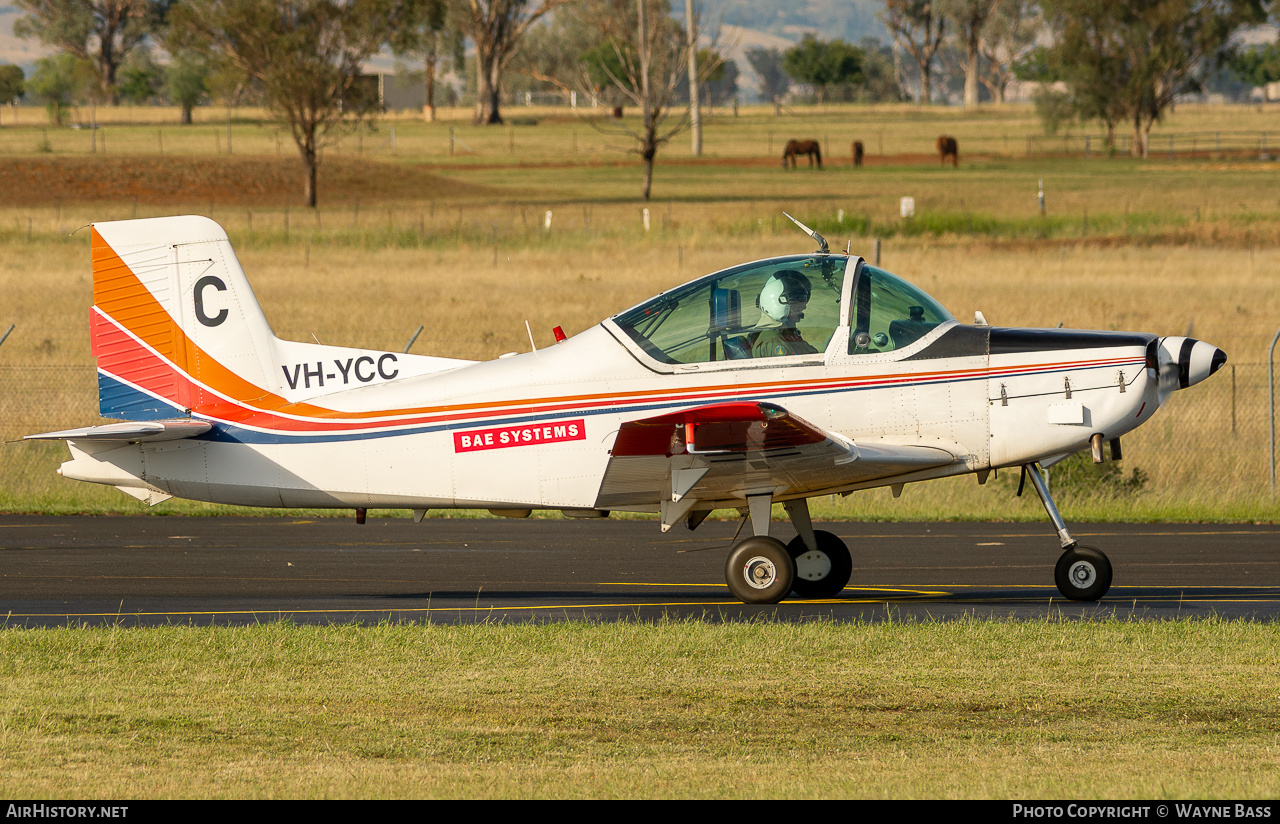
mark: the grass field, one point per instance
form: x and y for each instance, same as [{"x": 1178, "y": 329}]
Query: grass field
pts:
[{"x": 1049, "y": 709}]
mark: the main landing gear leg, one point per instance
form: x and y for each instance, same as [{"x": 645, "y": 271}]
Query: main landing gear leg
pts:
[
  {"x": 759, "y": 569},
  {"x": 762, "y": 570},
  {"x": 1082, "y": 573},
  {"x": 823, "y": 562}
]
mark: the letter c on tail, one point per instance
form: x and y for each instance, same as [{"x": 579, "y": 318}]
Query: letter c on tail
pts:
[{"x": 216, "y": 283}]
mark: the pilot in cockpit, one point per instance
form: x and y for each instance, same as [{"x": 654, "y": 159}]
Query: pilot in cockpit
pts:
[{"x": 782, "y": 303}]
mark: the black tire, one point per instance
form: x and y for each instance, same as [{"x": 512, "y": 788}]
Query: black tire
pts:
[
  {"x": 760, "y": 571},
  {"x": 821, "y": 574},
  {"x": 1083, "y": 574}
]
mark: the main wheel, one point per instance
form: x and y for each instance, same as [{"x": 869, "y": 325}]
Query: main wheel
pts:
[
  {"x": 824, "y": 573},
  {"x": 760, "y": 571},
  {"x": 1083, "y": 574}
]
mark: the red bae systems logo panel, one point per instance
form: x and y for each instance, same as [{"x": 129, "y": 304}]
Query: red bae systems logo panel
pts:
[{"x": 505, "y": 437}]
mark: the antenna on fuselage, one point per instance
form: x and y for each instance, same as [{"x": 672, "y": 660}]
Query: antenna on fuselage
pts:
[{"x": 822, "y": 241}]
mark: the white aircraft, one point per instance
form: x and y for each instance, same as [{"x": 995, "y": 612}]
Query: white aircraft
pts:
[{"x": 772, "y": 381}]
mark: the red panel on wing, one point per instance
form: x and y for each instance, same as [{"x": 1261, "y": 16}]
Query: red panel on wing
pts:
[
  {"x": 726, "y": 427},
  {"x": 740, "y": 436}
]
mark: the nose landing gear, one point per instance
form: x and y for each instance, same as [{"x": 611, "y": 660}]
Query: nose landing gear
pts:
[{"x": 1083, "y": 573}]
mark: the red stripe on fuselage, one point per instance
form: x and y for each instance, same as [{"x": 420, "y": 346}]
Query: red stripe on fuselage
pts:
[{"x": 123, "y": 356}]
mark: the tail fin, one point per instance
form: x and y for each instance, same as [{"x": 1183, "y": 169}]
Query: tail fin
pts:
[
  {"x": 176, "y": 329},
  {"x": 173, "y": 315}
]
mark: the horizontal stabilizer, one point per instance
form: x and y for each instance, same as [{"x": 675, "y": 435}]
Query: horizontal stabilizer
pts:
[{"x": 129, "y": 432}]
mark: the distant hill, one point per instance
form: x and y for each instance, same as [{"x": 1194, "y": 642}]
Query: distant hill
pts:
[{"x": 849, "y": 20}]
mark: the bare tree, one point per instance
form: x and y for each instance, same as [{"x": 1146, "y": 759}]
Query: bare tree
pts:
[
  {"x": 304, "y": 54},
  {"x": 103, "y": 32},
  {"x": 917, "y": 26},
  {"x": 647, "y": 71},
  {"x": 497, "y": 27}
]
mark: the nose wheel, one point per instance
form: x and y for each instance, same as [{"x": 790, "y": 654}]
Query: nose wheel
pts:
[{"x": 1083, "y": 574}]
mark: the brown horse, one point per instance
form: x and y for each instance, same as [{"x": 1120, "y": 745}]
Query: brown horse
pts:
[
  {"x": 801, "y": 147},
  {"x": 947, "y": 147},
  {"x": 857, "y": 153}
]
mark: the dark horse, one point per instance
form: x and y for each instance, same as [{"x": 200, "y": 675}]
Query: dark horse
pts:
[
  {"x": 801, "y": 147},
  {"x": 947, "y": 147}
]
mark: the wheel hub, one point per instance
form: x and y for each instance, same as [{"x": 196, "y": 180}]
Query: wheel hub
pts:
[
  {"x": 760, "y": 573},
  {"x": 1082, "y": 574},
  {"x": 813, "y": 566}
]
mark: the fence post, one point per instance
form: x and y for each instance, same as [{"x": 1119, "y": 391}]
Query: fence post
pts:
[{"x": 1271, "y": 395}]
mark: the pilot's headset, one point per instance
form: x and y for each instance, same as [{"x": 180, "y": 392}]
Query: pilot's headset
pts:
[{"x": 783, "y": 288}]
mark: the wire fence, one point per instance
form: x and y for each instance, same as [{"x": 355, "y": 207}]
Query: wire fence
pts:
[
  {"x": 405, "y": 135},
  {"x": 1213, "y": 436}
]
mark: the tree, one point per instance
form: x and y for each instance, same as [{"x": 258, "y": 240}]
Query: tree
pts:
[
  {"x": 969, "y": 18},
  {"x": 103, "y": 32},
  {"x": 568, "y": 51},
  {"x": 767, "y": 63},
  {"x": 648, "y": 72},
  {"x": 1258, "y": 66},
  {"x": 918, "y": 27},
  {"x": 824, "y": 64},
  {"x": 140, "y": 78},
  {"x": 12, "y": 85},
  {"x": 879, "y": 78},
  {"x": 1130, "y": 60},
  {"x": 427, "y": 32},
  {"x": 59, "y": 81},
  {"x": 496, "y": 27},
  {"x": 1009, "y": 36},
  {"x": 305, "y": 55},
  {"x": 188, "y": 82},
  {"x": 721, "y": 84}
]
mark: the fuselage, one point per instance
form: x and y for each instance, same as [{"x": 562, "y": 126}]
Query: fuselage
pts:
[{"x": 536, "y": 430}]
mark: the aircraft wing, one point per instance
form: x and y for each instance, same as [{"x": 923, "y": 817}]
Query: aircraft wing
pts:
[
  {"x": 723, "y": 453},
  {"x": 129, "y": 432}
]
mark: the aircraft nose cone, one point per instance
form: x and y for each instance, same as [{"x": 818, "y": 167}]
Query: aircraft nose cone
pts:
[{"x": 1188, "y": 361}]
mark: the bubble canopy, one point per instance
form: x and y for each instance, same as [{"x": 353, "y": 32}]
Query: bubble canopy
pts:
[{"x": 794, "y": 307}]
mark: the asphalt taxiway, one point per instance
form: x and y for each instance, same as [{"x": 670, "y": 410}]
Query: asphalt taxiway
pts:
[{"x": 149, "y": 570}]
